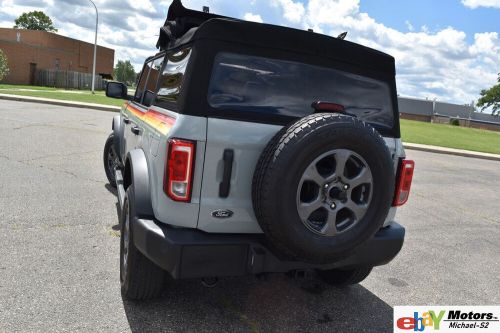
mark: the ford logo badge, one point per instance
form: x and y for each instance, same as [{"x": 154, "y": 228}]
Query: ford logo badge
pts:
[{"x": 222, "y": 213}]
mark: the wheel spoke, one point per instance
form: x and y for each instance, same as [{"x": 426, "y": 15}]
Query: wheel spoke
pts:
[
  {"x": 330, "y": 227},
  {"x": 312, "y": 173},
  {"x": 364, "y": 177},
  {"x": 341, "y": 157},
  {"x": 357, "y": 209},
  {"x": 350, "y": 197},
  {"x": 305, "y": 209}
]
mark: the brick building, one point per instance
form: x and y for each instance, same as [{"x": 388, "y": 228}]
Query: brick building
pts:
[{"x": 29, "y": 50}]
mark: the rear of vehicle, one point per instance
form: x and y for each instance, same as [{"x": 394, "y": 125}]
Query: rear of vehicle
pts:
[{"x": 261, "y": 156}]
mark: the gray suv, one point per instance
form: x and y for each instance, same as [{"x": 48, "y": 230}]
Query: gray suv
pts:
[{"x": 250, "y": 148}]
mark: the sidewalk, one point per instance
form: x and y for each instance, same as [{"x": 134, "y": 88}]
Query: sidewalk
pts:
[
  {"x": 59, "y": 102},
  {"x": 412, "y": 146}
]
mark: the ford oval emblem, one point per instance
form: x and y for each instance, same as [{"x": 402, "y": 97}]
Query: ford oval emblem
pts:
[{"x": 222, "y": 213}]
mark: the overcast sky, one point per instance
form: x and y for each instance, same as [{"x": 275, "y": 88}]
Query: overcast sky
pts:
[{"x": 448, "y": 49}]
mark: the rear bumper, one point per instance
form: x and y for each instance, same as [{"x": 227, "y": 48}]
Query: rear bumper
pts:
[{"x": 191, "y": 253}]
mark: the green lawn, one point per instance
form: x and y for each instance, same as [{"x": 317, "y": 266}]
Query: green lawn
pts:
[
  {"x": 67, "y": 95},
  {"x": 411, "y": 131},
  {"x": 450, "y": 136}
]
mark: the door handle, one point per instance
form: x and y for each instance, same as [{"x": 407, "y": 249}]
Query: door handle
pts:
[
  {"x": 136, "y": 130},
  {"x": 225, "y": 185},
  {"x": 126, "y": 120}
]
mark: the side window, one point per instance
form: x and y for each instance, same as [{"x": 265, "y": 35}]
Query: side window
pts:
[
  {"x": 152, "y": 82},
  {"x": 141, "y": 85},
  {"x": 172, "y": 77},
  {"x": 146, "y": 87}
]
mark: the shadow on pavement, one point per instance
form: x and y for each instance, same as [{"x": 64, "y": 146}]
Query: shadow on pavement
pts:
[
  {"x": 277, "y": 304},
  {"x": 111, "y": 189}
]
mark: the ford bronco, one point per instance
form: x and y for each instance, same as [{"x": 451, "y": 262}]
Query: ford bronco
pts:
[{"x": 250, "y": 148}]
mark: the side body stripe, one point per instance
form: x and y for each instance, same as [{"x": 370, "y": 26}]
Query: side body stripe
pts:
[{"x": 158, "y": 121}]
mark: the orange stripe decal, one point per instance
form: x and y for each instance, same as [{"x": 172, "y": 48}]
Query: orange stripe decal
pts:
[{"x": 159, "y": 121}]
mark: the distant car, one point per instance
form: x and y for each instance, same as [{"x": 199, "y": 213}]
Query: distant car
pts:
[{"x": 250, "y": 148}]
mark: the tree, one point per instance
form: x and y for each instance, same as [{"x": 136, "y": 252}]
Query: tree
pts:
[
  {"x": 36, "y": 20},
  {"x": 124, "y": 72},
  {"x": 4, "y": 66},
  {"x": 491, "y": 98}
]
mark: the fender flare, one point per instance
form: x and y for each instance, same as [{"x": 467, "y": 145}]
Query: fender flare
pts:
[
  {"x": 136, "y": 174},
  {"x": 117, "y": 128}
]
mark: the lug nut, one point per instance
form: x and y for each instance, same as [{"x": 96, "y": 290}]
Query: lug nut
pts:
[
  {"x": 332, "y": 206},
  {"x": 346, "y": 187},
  {"x": 326, "y": 186}
]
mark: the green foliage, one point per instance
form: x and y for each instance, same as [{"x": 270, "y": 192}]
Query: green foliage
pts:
[
  {"x": 124, "y": 72},
  {"x": 66, "y": 95},
  {"x": 450, "y": 136},
  {"x": 4, "y": 66},
  {"x": 491, "y": 98},
  {"x": 454, "y": 122},
  {"x": 36, "y": 20}
]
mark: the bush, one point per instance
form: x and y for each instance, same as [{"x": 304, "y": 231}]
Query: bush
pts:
[
  {"x": 4, "y": 67},
  {"x": 454, "y": 122}
]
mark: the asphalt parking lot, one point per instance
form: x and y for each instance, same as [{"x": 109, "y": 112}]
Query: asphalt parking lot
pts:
[{"x": 59, "y": 246}]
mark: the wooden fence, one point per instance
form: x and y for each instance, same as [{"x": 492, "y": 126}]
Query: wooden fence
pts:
[{"x": 67, "y": 79}]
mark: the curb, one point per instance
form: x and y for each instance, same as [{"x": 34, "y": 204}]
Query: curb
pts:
[
  {"x": 100, "y": 107},
  {"x": 451, "y": 151},
  {"x": 93, "y": 106}
]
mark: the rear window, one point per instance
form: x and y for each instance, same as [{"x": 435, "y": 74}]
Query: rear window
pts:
[{"x": 256, "y": 84}]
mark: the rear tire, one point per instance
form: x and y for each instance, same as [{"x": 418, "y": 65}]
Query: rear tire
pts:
[
  {"x": 343, "y": 278},
  {"x": 111, "y": 160},
  {"x": 140, "y": 278}
]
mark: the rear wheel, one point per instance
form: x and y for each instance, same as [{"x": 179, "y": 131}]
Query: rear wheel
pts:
[
  {"x": 111, "y": 160},
  {"x": 140, "y": 278},
  {"x": 342, "y": 278}
]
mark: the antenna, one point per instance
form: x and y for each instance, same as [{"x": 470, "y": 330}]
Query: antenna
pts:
[
  {"x": 342, "y": 35},
  {"x": 206, "y": 9}
]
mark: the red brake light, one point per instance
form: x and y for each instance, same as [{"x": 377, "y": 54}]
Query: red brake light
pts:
[
  {"x": 327, "y": 106},
  {"x": 404, "y": 182},
  {"x": 179, "y": 169}
]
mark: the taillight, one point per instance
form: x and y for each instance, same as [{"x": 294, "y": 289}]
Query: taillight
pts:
[
  {"x": 405, "y": 174},
  {"x": 327, "y": 106},
  {"x": 179, "y": 169}
]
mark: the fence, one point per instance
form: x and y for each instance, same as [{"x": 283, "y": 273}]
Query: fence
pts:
[{"x": 67, "y": 79}]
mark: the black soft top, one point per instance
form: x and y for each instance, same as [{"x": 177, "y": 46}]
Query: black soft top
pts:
[{"x": 184, "y": 26}]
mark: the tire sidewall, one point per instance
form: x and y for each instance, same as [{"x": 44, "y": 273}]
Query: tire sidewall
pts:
[
  {"x": 127, "y": 210},
  {"x": 143, "y": 279},
  {"x": 336, "y": 135},
  {"x": 107, "y": 148}
]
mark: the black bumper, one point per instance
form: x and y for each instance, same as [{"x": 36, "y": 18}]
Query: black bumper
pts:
[{"x": 191, "y": 253}]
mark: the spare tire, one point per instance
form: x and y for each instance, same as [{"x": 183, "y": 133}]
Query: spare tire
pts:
[{"x": 323, "y": 186}]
